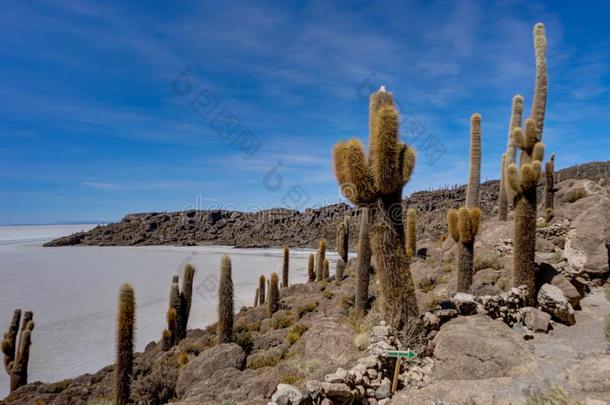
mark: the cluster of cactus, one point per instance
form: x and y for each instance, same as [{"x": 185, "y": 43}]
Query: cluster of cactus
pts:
[
  {"x": 463, "y": 224},
  {"x": 320, "y": 257},
  {"x": 522, "y": 180},
  {"x": 285, "y": 267},
  {"x": 342, "y": 248},
  {"x": 377, "y": 182},
  {"x": 179, "y": 308},
  {"x": 549, "y": 189},
  {"x": 411, "y": 234},
  {"x": 123, "y": 372},
  {"x": 224, "y": 329},
  {"x": 17, "y": 353}
]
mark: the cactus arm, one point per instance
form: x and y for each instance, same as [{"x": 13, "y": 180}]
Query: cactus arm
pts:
[
  {"x": 452, "y": 221},
  {"x": 541, "y": 87},
  {"x": 407, "y": 159},
  {"x": 474, "y": 176},
  {"x": 385, "y": 151}
]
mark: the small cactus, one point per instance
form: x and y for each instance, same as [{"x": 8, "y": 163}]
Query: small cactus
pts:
[
  {"x": 274, "y": 294},
  {"x": 463, "y": 227},
  {"x": 261, "y": 290},
  {"x": 325, "y": 269},
  {"x": 411, "y": 237},
  {"x": 343, "y": 240},
  {"x": 175, "y": 303},
  {"x": 17, "y": 355},
  {"x": 321, "y": 255},
  {"x": 285, "y": 267},
  {"x": 186, "y": 297},
  {"x": 311, "y": 273},
  {"x": 181, "y": 302},
  {"x": 225, "y": 303},
  {"x": 363, "y": 263},
  {"x": 255, "y": 298},
  {"x": 125, "y": 336},
  {"x": 549, "y": 189}
]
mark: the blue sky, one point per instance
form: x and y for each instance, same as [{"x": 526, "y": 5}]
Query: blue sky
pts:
[{"x": 95, "y": 123}]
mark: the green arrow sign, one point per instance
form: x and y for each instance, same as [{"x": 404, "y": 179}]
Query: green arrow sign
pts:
[{"x": 401, "y": 354}]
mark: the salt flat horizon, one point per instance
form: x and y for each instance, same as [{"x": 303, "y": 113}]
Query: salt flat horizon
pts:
[{"x": 73, "y": 292}]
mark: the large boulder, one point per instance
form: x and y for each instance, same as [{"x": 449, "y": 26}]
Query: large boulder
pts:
[
  {"x": 210, "y": 361},
  {"x": 552, "y": 300},
  {"x": 477, "y": 347},
  {"x": 287, "y": 394},
  {"x": 330, "y": 341}
]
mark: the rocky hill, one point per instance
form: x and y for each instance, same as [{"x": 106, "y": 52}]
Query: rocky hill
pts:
[
  {"x": 279, "y": 227},
  {"x": 485, "y": 347}
]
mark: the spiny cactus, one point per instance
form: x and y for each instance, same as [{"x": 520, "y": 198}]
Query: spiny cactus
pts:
[
  {"x": 463, "y": 227},
  {"x": 125, "y": 335},
  {"x": 224, "y": 329},
  {"x": 261, "y": 290},
  {"x": 175, "y": 303},
  {"x": 311, "y": 273},
  {"x": 549, "y": 189},
  {"x": 180, "y": 302},
  {"x": 378, "y": 182},
  {"x": 521, "y": 182},
  {"x": 339, "y": 269},
  {"x": 325, "y": 269},
  {"x": 274, "y": 295},
  {"x": 256, "y": 298},
  {"x": 363, "y": 262},
  {"x": 343, "y": 239},
  {"x": 320, "y": 256},
  {"x": 509, "y": 156},
  {"x": 186, "y": 296},
  {"x": 411, "y": 245},
  {"x": 474, "y": 176},
  {"x": 285, "y": 267},
  {"x": 17, "y": 355}
]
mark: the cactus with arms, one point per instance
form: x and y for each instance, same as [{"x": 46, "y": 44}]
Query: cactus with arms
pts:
[
  {"x": 509, "y": 156},
  {"x": 522, "y": 180},
  {"x": 17, "y": 353},
  {"x": 377, "y": 182},
  {"x": 463, "y": 227}
]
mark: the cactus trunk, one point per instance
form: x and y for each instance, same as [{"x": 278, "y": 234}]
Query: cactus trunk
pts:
[
  {"x": 363, "y": 262},
  {"x": 261, "y": 290},
  {"x": 474, "y": 176},
  {"x": 525, "y": 243},
  {"x": 311, "y": 273},
  {"x": 285, "y": 267},
  {"x": 125, "y": 335},
  {"x": 274, "y": 295},
  {"x": 465, "y": 261},
  {"x": 320, "y": 256},
  {"x": 224, "y": 329}
]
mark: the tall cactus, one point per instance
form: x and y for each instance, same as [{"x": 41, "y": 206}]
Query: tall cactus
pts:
[
  {"x": 186, "y": 296},
  {"x": 474, "y": 176},
  {"x": 274, "y": 295},
  {"x": 325, "y": 269},
  {"x": 285, "y": 268},
  {"x": 411, "y": 245},
  {"x": 363, "y": 262},
  {"x": 509, "y": 156},
  {"x": 523, "y": 180},
  {"x": 125, "y": 334},
  {"x": 17, "y": 354},
  {"x": 463, "y": 227},
  {"x": 224, "y": 330},
  {"x": 549, "y": 189},
  {"x": 261, "y": 290},
  {"x": 320, "y": 256},
  {"x": 175, "y": 303},
  {"x": 378, "y": 183},
  {"x": 180, "y": 302},
  {"x": 311, "y": 273}
]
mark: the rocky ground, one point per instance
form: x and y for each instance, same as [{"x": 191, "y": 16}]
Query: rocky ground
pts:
[
  {"x": 279, "y": 227},
  {"x": 485, "y": 347}
]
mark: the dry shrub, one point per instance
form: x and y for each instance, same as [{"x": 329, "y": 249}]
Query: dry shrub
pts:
[{"x": 157, "y": 387}]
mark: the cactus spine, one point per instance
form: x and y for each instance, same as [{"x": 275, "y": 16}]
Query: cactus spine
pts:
[
  {"x": 17, "y": 354},
  {"x": 125, "y": 334},
  {"x": 549, "y": 189},
  {"x": 378, "y": 181},
  {"x": 363, "y": 262},
  {"x": 285, "y": 267},
  {"x": 261, "y": 290},
  {"x": 509, "y": 156},
  {"x": 224, "y": 329},
  {"x": 411, "y": 245},
  {"x": 463, "y": 227},
  {"x": 311, "y": 273},
  {"x": 320, "y": 256},
  {"x": 274, "y": 295},
  {"x": 474, "y": 176},
  {"x": 522, "y": 180}
]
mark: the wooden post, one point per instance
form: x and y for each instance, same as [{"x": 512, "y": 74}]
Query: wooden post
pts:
[{"x": 396, "y": 374}]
